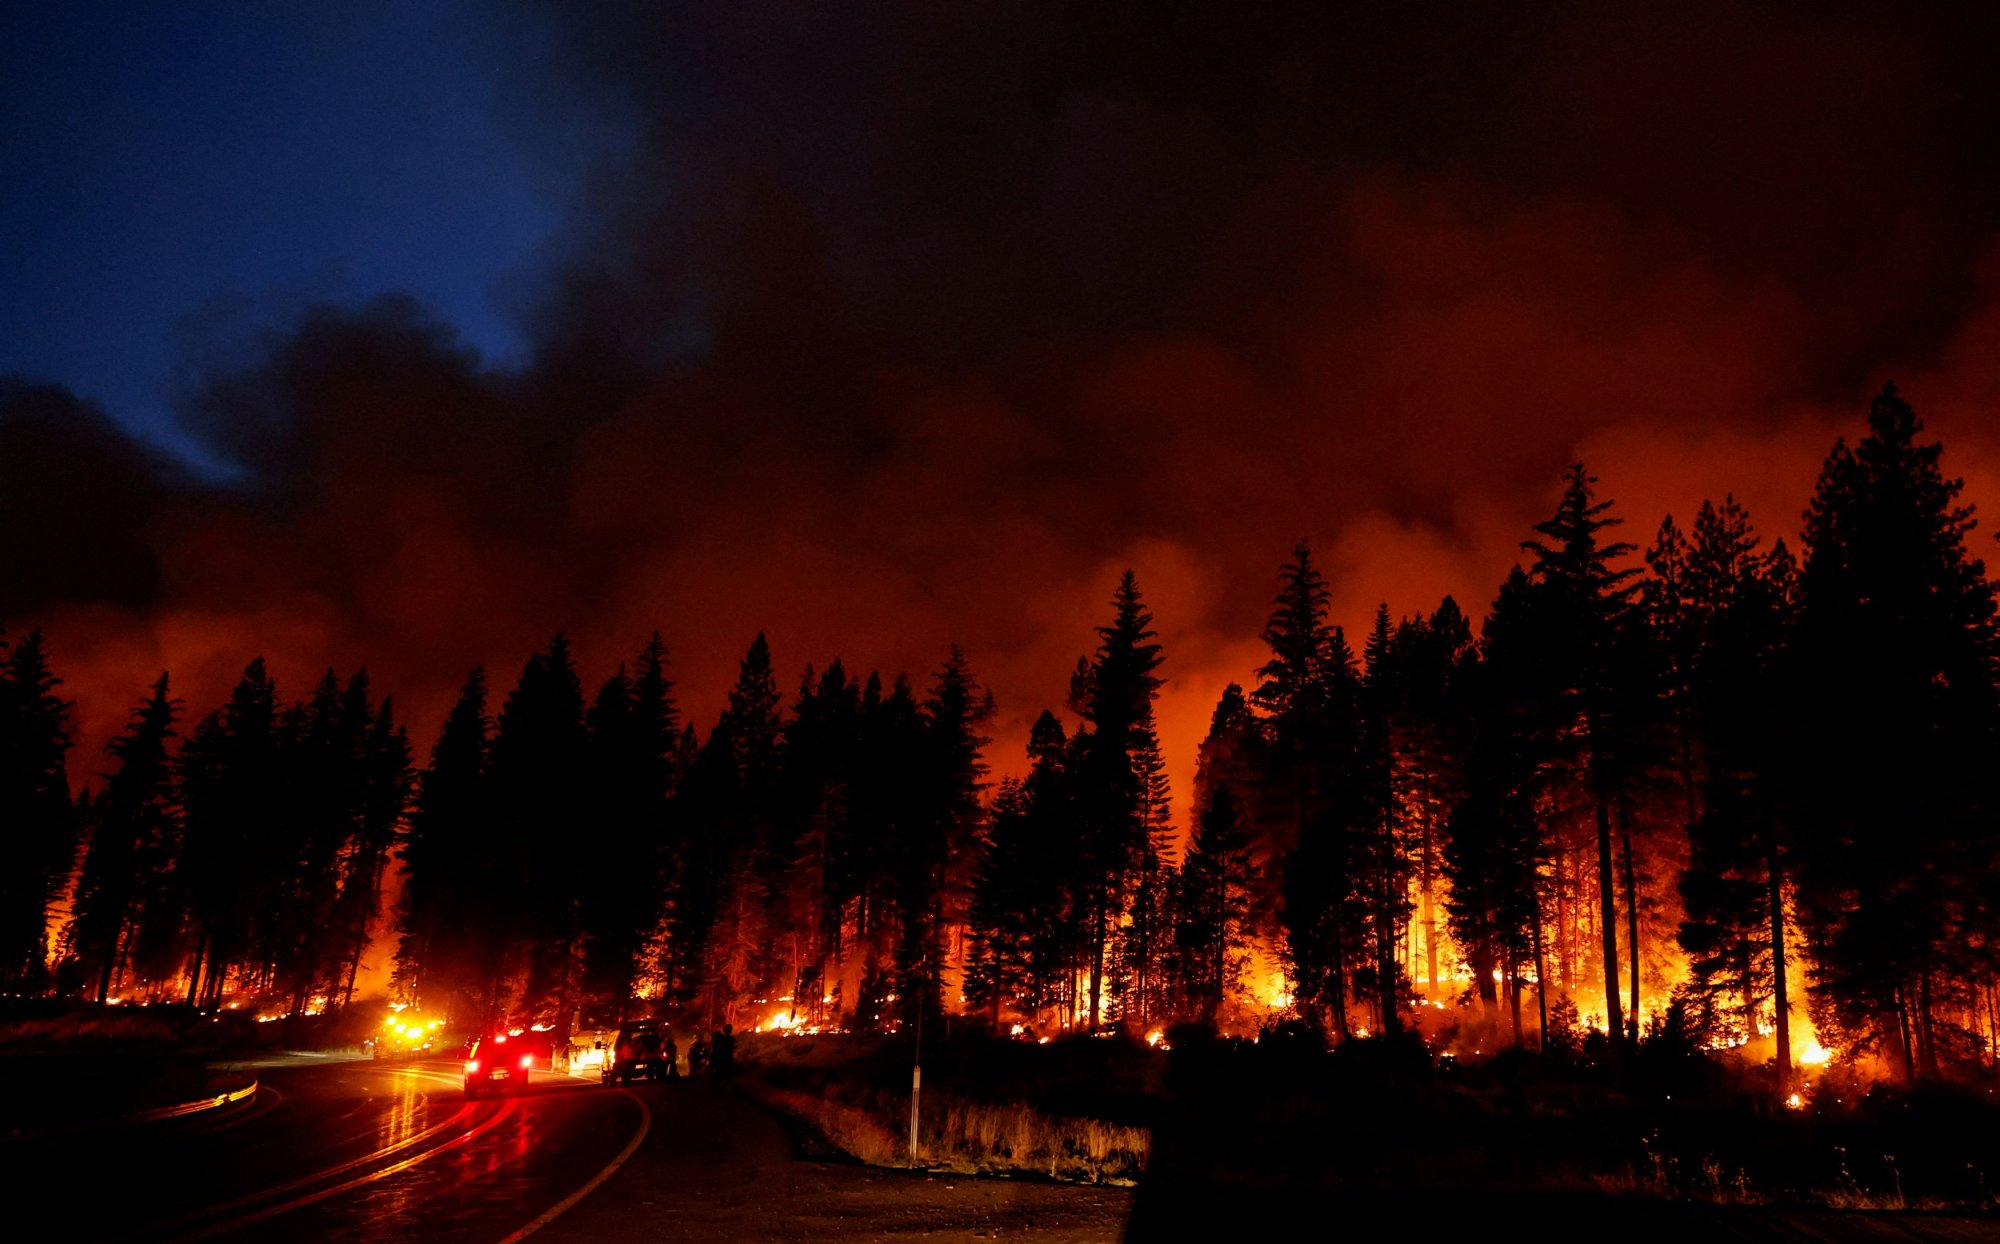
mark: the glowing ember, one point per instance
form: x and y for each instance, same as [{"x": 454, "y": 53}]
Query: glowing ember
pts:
[
  {"x": 1017, "y": 1030},
  {"x": 1795, "y": 1102},
  {"x": 1154, "y": 1037}
]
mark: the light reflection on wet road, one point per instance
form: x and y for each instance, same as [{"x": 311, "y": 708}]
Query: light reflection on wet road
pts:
[{"x": 355, "y": 1151}]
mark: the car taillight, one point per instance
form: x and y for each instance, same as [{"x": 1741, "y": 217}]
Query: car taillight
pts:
[
  {"x": 525, "y": 1060},
  {"x": 472, "y": 1065}
]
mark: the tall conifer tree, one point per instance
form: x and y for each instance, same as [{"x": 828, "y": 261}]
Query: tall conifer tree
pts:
[
  {"x": 1590, "y": 601},
  {"x": 450, "y": 915},
  {"x": 38, "y": 823},
  {"x": 1896, "y": 659},
  {"x": 131, "y": 844}
]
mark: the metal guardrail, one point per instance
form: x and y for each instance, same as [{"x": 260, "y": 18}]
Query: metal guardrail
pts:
[{"x": 195, "y": 1106}]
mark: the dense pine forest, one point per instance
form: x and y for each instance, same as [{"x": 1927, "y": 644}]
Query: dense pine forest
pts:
[{"x": 1695, "y": 783}]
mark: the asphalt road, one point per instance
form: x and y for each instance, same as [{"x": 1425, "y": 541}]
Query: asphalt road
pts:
[
  {"x": 393, "y": 1152},
  {"x": 378, "y": 1151}
]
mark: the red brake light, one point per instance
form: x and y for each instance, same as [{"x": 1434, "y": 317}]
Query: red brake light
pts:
[
  {"x": 526, "y": 1059},
  {"x": 472, "y": 1064}
]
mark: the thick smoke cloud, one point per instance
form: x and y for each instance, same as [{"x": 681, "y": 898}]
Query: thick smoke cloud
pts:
[{"x": 879, "y": 328}]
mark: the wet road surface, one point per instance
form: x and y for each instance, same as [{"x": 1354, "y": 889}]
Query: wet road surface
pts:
[
  {"x": 351, "y": 1151},
  {"x": 392, "y": 1151}
]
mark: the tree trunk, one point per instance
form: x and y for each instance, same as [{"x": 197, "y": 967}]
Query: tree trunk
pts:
[
  {"x": 1541, "y": 974},
  {"x": 1631, "y": 911},
  {"x": 1430, "y": 942},
  {"x": 1429, "y": 890},
  {"x": 1514, "y": 1000},
  {"x": 110, "y": 962},
  {"x": 1746, "y": 987},
  {"x": 1097, "y": 937},
  {"x": 1903, "y": 1033},
  {"x": 353, "y": 971},
  {"x": 1339, "y": 976},
  {"x": 1993, "y": 1027},
  {"x": 1926, "y": 1028},
  {"x": 1385, "y": 932},
  {"x": 194, "y": 972},
  {"x": 1782, "y": 1023},
  {"x": 1607, "y": 895}
]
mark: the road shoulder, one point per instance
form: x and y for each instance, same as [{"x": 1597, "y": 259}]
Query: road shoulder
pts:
[{"x": 717, "y": 1166}]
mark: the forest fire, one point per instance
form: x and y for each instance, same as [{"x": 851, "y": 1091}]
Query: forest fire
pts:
[
  {"x": 1560, "y": 910},
  {"x": 1238, "y": 599}
]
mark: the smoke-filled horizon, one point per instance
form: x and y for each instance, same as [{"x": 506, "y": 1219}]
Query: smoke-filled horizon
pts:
[{"x": 877, "y": 331}]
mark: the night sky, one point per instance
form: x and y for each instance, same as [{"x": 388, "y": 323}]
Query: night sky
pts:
[{"x": 443, "y": 327}]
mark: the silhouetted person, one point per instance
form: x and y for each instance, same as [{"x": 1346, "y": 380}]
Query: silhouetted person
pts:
[
  {"x": 698, "y": 1056},
  {"x": 671, "y": 1053},
  {"x": 725, "y": 1051}
]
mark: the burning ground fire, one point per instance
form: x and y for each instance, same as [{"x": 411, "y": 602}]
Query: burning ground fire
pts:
[{"x": 787, "y": 1020}]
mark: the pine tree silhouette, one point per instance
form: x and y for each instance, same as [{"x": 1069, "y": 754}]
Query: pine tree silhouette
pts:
[
  {"x": 449, "y": 917},
  {"x": 1590, "y": 605},
  {"x": 1896, "y": 653},
  {"x": 1309, "y": 695},
  {"x": 126, "y": 917}
]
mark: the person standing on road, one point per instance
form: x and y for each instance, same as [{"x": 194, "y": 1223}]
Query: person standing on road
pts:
[
  {"x": 671, "y": 1054},
  {"x": 698, "y": 1056},
  {"x": 725, "y": 1052}
]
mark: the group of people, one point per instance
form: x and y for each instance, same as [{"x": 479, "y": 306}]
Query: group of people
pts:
[{"x": 713, "y": 1055}]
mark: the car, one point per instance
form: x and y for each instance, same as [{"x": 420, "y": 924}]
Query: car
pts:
[
  {"x": 501, "y": 1061},
  {"x": 640, "y": 1050},
  {"x": 406, "y": 1035}
]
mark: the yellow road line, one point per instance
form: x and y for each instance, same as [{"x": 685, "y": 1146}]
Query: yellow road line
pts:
[
  {"x": 199, "y": 1104},
  {"x": 262, "y": 1194},
  {"x": 356, "y": 1182},
  {"x": 267, "y": 1100},
  {"x": 560, "y": 1207}
]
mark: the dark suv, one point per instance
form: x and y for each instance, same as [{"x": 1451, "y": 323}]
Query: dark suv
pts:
[
  {"x": 640, "y": 1051},
  {"x": 499, "y": 1061}
]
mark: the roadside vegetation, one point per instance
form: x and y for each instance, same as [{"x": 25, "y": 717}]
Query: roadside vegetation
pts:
[
  {"x": 1072, "y": 1111},
  {"x": 1668, "y": 1121}
]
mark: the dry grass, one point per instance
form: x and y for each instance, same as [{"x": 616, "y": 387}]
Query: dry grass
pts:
[
  {"x": 1714, "y": 1183},
  {"x": 852, "y": 1130},
  {"x": 973, "y": 1137}
]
